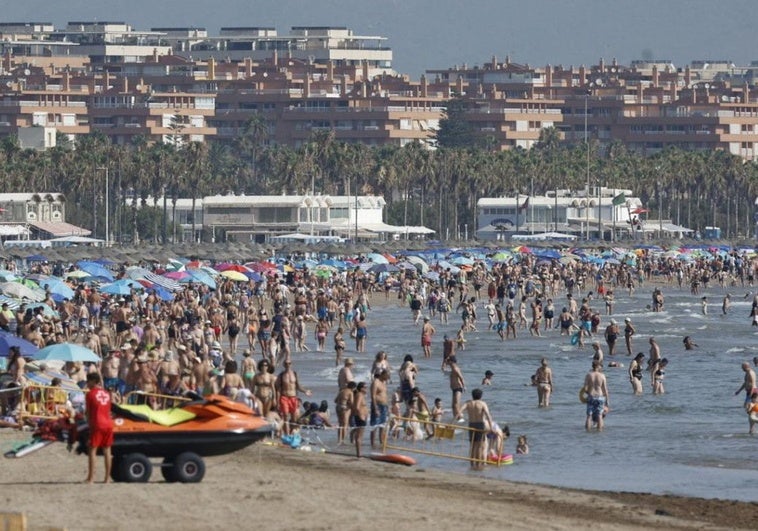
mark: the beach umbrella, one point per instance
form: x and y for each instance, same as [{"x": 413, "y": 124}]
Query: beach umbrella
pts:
[
  {"x": 260, "y": 267},
  {"x": 432, "y": 275},
  {"x": 46, "y": 309},
  {"x": 36, "y": 258},
  {"x": 77, "y": 273},
  {"x": 235, "y": 275},
  {"x": 417, "y": 261},
  {"x": 19, "y": 291},
  {"x": 201, "y": 276},
  {"x": 57, "y": 286},
  {"x": 377, "y": 258},
  {"x": 232, "y": 267},
  {"x": 95, "y": 269},
  {"x": 178, "y": 275},
  {"x": 123, "y": 286},
  {"x": 66, "y": 352},
  {"x": 7, "y": 276},
  {"x": 8, "y": 340},
  {"x": 502, "y": 256},
  {"x": 383, "y": 268}
]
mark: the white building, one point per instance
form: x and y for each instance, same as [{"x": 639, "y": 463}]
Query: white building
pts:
[
  {"x": 604, "y": 213},
  {"x": 261, "y": 217}
]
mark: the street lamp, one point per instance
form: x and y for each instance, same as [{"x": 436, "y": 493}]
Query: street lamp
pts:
[
  {"x": 107, "y": 205},
  {"x": 587, "y": 142}
]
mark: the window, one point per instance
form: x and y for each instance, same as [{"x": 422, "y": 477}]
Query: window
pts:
[
  {"x": 229, "y": 211},
  {"x": 275, "y": 215}
]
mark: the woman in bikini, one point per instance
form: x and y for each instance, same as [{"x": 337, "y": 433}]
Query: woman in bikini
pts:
[
  {"x": 344, "y": 405},
  {"x": 263, "y": 387},
  {"x": 544, "y": 379},
  {"x": 247, "y": 369}
]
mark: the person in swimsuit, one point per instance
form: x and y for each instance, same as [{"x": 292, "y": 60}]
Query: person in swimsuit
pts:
[
  {"x": 287, "y": 386},
  {"x": 344, "y": 406},
  {"x": 457, "y": 384},
  {"x": 360, "y": 416},
  {"x": 596, "y": 389},
  {"x": 635, "y": 373},
  {"x": 544, "y": 379},
  {"x": 628, "y": 333},
  {"x": 658, "y": 376},
  {"x": 247, "y": 368},
  {"x": 611, "y": 334},
  {"x": 480, "y": 421},
  {"x": 264, "y": 388}
]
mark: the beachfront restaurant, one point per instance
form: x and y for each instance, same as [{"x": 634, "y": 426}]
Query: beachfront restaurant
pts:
[
  {"x": 260, "y": 218},
  {"x": 603, "y": 213}
]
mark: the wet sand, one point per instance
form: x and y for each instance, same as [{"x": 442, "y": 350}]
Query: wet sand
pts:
[{"x": 276, "y": 488}]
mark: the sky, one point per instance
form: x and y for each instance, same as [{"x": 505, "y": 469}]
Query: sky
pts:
[{"x": 437, "y": 34}]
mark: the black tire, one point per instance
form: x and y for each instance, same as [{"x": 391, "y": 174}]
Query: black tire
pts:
[
  {"x": 168, "y": 470},
  {"x": 189, "y": 468},
  {"x": 135, "y": 468}
]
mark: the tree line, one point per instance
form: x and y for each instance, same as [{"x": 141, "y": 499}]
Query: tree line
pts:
[{"x": 436, "y": 188}]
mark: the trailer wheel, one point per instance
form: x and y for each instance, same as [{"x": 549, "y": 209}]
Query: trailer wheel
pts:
[
  {"x": 189, "y": 468},
  {"x": 136, "y": 468},
  {"x": 168, "y": 470}
]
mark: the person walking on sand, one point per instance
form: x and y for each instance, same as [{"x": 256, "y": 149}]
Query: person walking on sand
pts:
[
  {"x": 480, "y": 421},
  {"x": 98, "y": 409},
  {"x": 598, "y": 398}
]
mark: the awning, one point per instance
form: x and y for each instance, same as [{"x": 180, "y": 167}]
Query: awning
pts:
[
  {"x": 13, "y": 230},
  {"x": 59, "y": 228}
]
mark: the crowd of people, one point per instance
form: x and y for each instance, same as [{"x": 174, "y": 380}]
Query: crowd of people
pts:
[{"x": 238, "y": 340}]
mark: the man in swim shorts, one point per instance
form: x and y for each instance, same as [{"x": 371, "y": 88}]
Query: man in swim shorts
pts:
[
  {"x": 427, "y": 331},
  {"x": 749, "y": 383},
  {"x": 596, "y": 388},
  {"x": 379, "y": 404},
  {"x": 287, "y": 386},
  {"x": 480, "y": 421},
  {"x": 457, "y": 384}
]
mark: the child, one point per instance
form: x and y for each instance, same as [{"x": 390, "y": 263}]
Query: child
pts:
[
  {"x": 752, "y": 410},
  {"x": 523, "y": 446},
  {"x": 704, "y": 305},
  {"x": 460, "y": 340},
  {"x": 658, "y": 376},
  {"x": 437, "y": 410},
  {"x": 488, "y": 378}
]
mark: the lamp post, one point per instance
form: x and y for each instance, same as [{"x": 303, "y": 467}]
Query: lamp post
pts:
[
  {"x": 660, "y": 211},
  {"x": 107, "y": 205},
  {"x": 587, "y": 142}
]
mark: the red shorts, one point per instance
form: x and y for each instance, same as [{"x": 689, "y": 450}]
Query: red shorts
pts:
[
  {"x": 101, "y": 439},
  {"x": 288, "y": 404},
  {"x": 426, "y": 341}
]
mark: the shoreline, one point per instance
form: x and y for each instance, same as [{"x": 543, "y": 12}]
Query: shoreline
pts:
[{"x": 286, "y": 489}]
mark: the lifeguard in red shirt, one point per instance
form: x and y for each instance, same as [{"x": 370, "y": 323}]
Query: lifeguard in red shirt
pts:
[{"x": 100, "y": 425}]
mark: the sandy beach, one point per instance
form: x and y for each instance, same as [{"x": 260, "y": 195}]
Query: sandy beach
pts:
[{"x": 278, "y": 488}]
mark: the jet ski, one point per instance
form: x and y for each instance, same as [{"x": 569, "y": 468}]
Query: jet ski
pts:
[{"x": 182, "y": 436}]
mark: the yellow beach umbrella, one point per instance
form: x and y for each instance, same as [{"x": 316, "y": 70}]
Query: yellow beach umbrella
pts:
[{"x": 234, "y": 275}]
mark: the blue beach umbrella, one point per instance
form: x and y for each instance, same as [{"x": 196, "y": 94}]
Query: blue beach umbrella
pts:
[
  {"x": 123, "y": 286},
  {"x": 95, "y": 269},
  {"x": 7, "y": 340},
  {"x": 66, "y": 352},
  {"x": 56, "y": 286}
]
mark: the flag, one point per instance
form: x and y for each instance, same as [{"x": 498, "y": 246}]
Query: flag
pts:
[
  {"x": 640, "y": 210},
  {"x": 619, "y": 199},
  {"x": 524, "y": 206}
]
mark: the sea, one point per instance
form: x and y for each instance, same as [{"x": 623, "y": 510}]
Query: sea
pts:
[{"x": 691, "y": 441}]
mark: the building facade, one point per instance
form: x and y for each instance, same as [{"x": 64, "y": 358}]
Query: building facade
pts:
[{"x": 598, "y": 213}]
